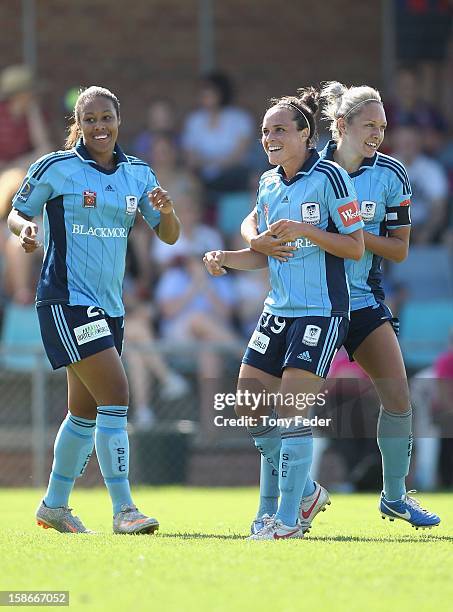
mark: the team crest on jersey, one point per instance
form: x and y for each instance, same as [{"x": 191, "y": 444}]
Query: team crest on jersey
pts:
[
  {"x": 89, "y": 199},
  {"x": 311, "y": 213},
  {"x": 311, "y": 335},
  {"x": 131, "y": 204},
  {"x": 367, "y": 210}
]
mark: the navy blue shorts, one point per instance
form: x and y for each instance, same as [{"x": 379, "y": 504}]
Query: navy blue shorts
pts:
[
  {"x": 71, "y": 333},
  {"x": 363, "y": 322},
  {"x": 306, "y": 343}
]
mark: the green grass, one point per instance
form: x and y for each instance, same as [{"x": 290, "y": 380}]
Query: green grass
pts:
[{"x": 200, "y": 560}]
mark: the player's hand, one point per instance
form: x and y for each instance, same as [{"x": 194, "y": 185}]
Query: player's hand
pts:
[
  {"x": 214, "y": 260},
  {"x": 270, "y": 245},
  {"x": 161, "y": 201},
  {"x": 28, "y": 238},
  {"x": 288, "y": 231}
]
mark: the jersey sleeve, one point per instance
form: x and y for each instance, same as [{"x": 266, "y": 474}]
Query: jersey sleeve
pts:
[
  {"x": 35, "y": 191},
  {"x": 342, "y": 201},
  {"x": 151, "y": 216},
  {"x": 397, "y": 206}
]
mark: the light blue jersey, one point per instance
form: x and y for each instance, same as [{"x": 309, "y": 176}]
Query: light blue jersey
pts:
[
  {"x": 88, "y": 214},
  {"x": 312, "y": 282},
  {"x": 384, "y": 193}
]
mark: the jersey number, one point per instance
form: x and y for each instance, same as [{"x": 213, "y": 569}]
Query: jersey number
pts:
[
  {"x": 278, "y": 324},
  {"x": 95, "y": 311}
]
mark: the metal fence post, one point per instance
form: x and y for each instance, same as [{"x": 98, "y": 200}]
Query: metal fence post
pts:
[{"x": 38, "y": 422}]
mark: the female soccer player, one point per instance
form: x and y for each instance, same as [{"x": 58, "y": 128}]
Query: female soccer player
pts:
[
  {"x": 90, "y": 194},
  {"x": 357, "y": 123},
  {"x": 312, "y": 203}
]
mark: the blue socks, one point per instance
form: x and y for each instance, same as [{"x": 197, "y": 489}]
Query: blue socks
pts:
[
  {"x": 268, "y": 441},
  {"x": 72, "y": 451},
  {"x": 112, "y": 450},
  {"x": 395, "y": 443},
  {"x": 310, "y": 487},
  {"x": 295, "y": 461},
  {"x": 269, "y": 491}
]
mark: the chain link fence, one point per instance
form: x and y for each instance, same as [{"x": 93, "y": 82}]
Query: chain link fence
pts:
[
  {"x": 185, "y": 439},
  {"x": 167, "y": 433}
]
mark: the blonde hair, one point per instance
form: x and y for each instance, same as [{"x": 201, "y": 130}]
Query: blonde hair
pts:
[{"x": 341, "y": 101}]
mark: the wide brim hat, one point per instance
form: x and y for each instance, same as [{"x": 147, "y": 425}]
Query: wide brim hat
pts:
[{"x": 15, "y": 79}]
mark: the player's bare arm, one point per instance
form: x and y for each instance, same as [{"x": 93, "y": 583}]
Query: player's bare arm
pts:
[
  {"x": 394, "y": 247},
  {"x": 23, "y": 226},
  {"x": 245, "y": 259},
  {"x": 169, "y": 226},
  {"x": 347, "y": 246},
  {"x": 265, "y": 242}
]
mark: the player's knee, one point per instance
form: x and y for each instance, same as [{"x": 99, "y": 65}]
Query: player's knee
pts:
[
  {"x": 399, "y": 402},
  {"x": 117, "y": 394}
]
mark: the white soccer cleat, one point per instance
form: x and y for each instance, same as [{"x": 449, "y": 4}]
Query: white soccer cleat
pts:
[
  {"x": 311, "y": 505},
  {"x": 274, "y": 529},
  {"x": 259, "y": 523}
]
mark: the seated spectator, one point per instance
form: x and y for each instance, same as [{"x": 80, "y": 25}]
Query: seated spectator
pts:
[
  {"x": 161, "y": 121},
  {"x": 443, "y": 411},
  {"x": 145, "y": 366},
  {"x": 196, "y": 307},
  {"x": 354, "y": 405},
  {"x": 164, "y": 159},
  {"x": 19, "y": 270},
  {"x": 429, "y": 185},
  {"x": 407, "y": 107},
  {"x": 23, "y": 132},
  {"x": 194, "y": 234},
  {"x": 426, "y": 446},
  {"x": 217, "y": 138}
]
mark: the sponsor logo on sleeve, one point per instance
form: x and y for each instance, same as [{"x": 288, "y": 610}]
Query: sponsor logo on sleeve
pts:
[
  {"x": 311, "y": 335},
  {"x": 89, "y": 199},
  {"x": 91, "y": 331},
  {"x": 266, "y": 213},
  {"x": 311, "y": 213},
  {"x": 367, "y": 210},
  {"x": 25, "y": 192},
  {"x": 131, "y": 204},
  {"x": 349, "y": 213},
  {"x": 259, "y": 342}
]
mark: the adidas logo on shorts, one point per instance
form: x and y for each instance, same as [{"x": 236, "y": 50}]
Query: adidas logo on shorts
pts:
[{"x": 305, "y": 356}]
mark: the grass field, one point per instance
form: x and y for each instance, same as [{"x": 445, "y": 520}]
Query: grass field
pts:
[{"x": 200, "y": 560}]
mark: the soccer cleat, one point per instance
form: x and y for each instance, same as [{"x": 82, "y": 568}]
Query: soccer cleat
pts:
[
  {"x": 274, "y": 529},
  {"x": 408, "y": 509},
  {"x": 61, "y": 519},
  {"x": 130, "y": 520},
  {"x": 259, "y": 523},
  {"x": 311, "y": 505}
]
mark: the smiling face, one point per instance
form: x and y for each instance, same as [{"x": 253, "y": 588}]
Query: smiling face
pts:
[
  {"x": 364, "y": 133},
  {"x": 99, "y": 123},
  {"x": 283, "y": 143}
]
